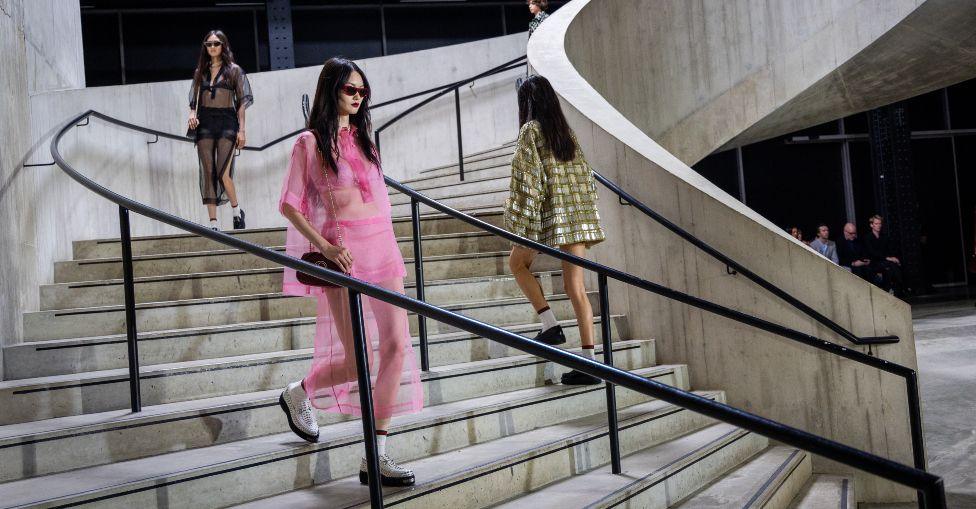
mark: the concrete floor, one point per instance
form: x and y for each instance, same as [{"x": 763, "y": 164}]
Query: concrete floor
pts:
[{"x": 945, "y": 338}]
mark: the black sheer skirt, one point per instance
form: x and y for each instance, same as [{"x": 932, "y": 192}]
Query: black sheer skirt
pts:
[{"x": 215, "y": 137}]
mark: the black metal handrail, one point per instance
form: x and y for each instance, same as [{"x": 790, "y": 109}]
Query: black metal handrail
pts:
[
  {"x": 930, "y": 487},
  {"x": 456, "y": 88},
  {"x": 741, "y": 269},
  {"x": 909, "y": 375},
  {"x": 734, "y": 267},
  {"x": 731, "y": 264}
]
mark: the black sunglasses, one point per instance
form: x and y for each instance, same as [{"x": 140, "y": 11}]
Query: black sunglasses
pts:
[{"x": 213, "y": 44}]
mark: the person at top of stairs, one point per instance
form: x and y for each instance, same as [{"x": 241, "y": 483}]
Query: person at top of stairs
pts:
[
  {"x": 336, "y": 201},
  {"x": 552, "y": 200},
  {"x": 218, "y": 97}
]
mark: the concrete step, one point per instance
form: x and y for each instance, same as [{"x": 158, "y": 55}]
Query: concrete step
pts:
[
  {"x": 83, "y": 294},
  {"x": 244, "y": 471},
  {"x": 159, "y": 316},
  {"x": 506, "y": 150},
  {"x": 498, "y": 178},
  {"x": 58, "y": 445},
  {"x": 489, "y": 200},
  {"x": 100, "y": 391},
  {"x": 465, "y": 193},
  {"x": 464, "y": 247},
  {"x": 485, "y": 474},
  {"x": 654, "y": 477},
  {"x": 78, "y": 355},
  {"x": 495, "y": 166},
  {"x": 826, "y": 492},
  {"x": 771, "y": 479},
  {"x": 431, "y": 224}
]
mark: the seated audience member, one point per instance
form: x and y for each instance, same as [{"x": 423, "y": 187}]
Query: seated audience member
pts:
[
  {"x": 878, "y": 248},
  {"x": 797, "y": 234},
  {"x": 823, "y": 245},
  {"x": 851, "y": 254}
]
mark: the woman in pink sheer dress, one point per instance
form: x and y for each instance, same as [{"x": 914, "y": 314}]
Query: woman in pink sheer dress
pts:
[{"x": 336, "y": 200}]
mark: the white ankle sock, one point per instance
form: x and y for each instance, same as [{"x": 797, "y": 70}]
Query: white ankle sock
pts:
[
  {"x": 380, "y": 445},
  {"x": 548, "y": 319},
  {"x": 588, "y": 353},
  {"x": 213, "y": 223},
  {"x": 236, "y": 210}
]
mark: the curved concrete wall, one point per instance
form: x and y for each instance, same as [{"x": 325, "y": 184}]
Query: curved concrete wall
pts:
[
  {"x": 50, "y": 210},
  {"x": 648, "y": 84}
]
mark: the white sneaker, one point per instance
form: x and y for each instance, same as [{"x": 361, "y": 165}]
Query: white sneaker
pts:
[
  {"x": 298, "y": 410},
  {"x": 390, "y": 473}
]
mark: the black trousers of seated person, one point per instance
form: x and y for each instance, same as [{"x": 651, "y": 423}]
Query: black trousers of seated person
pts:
[{"x": 891, "y": 278}]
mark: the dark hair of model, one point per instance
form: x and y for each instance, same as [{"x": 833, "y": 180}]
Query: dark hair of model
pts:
[
  {"x": 203, "y": 64},
  {"x": 537, "y": 101},
  {"x": 323, "y": 118}
]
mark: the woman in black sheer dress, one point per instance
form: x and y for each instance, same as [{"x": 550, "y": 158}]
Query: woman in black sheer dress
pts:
[{"x": 218, "y": 97}]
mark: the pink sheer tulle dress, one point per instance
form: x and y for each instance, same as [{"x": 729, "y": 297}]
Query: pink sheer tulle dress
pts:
[{"x": 363, "y": 213}]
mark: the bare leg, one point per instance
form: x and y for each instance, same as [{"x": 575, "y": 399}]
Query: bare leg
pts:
[
  {"x": 205, "y": 151},
  {"x": 520, "y": 262},
  {"x": 225, "y": 158},
  {"x": 573, "y": 281},
  {"x": 339, "y": 373},
  {"x": 229, "y": 185}
]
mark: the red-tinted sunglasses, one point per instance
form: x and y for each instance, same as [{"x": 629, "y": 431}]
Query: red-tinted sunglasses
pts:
[{"x": 352, "y": 90}]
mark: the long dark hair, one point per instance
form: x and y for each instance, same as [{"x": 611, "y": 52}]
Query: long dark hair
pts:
[
  {"x": 203, "y": 64},
  {"x": 537, "y": 101},
  {"x": 323, "y": 119}
]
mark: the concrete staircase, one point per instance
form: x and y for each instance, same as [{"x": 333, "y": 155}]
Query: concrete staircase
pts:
[{"x": 218, "y": 341}]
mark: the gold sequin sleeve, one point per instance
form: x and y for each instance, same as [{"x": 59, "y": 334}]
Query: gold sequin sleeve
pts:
[{"x": 527, "y": 190}]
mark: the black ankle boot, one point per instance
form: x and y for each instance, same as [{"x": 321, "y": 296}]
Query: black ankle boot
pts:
[{"x": 239, "y": 221}]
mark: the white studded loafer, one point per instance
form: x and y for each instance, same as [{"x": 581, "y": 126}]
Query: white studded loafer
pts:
[
  {"x": 390, "y": 473},
  {"x": 298, "y": 409}
]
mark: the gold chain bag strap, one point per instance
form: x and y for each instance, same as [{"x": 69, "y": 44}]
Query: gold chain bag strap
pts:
[{"x": 315, "y": 257}]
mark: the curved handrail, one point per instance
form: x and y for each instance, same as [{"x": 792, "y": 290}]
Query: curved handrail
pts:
[
  {"x": 929, "y": 485},
  {"x": 910, "y": 376},
  {"x": 681, "y": 232},
  {"x": 738, "y": 267}
]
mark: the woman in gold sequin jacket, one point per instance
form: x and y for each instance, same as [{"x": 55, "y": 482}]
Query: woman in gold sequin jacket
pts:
[{"x": 552, "y": 200}]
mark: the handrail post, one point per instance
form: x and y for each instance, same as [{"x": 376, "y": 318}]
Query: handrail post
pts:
[
  {"x": 933, "y": 497},
  {"x": 915, "y": 419},
  {"x": 418, "y": 267},
  {"x": 366, "y": 399},
  {"x": 611, "y": 389},
  {"x": 131, "y": 333},
  {"x": 457, "y": 112}
]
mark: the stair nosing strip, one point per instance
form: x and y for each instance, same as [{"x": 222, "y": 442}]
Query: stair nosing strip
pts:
[
  {"x": 772, "y": 477},
  {"x": 297, "y": 321},
  {"x": 405, "y": 219},
  {"x": 663, "y": 469},
  {"x": 519, "y": 361}
]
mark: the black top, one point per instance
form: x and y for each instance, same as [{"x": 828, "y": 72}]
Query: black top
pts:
[
  {"x": 230, "y": 89},
  {"x": 877, "y": 248},
  {"x": 850, "y": 250}
]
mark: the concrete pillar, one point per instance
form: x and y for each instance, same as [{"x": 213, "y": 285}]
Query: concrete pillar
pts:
[
  {"x": 40, "y": 51},
  {"x": 13, "y": 131}
]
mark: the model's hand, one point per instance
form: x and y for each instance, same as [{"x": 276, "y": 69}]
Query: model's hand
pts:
[
  {"x": 894, "y": 260},
  {"x": 193, "y": 122},
  {"x": 240, "y": 139},
  {"x": 340, "y": 256}
]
